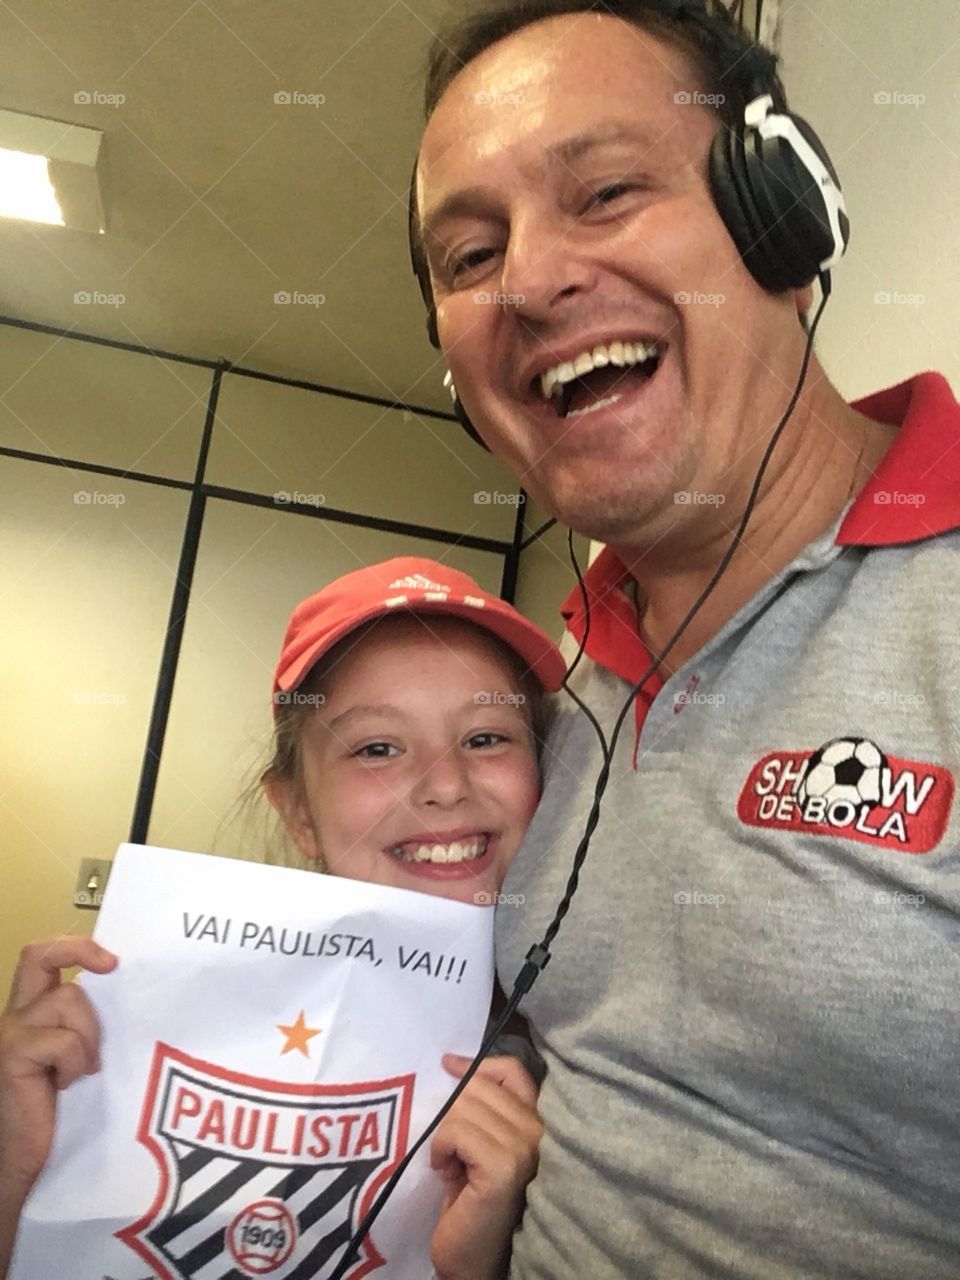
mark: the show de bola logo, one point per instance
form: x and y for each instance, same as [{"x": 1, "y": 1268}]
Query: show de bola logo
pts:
[
  {"x": 262, "y": 1177},
  {"x": 850, "y": 787}
]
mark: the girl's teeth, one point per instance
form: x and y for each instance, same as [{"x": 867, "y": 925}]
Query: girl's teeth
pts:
[{"x": 456, "y": 851}]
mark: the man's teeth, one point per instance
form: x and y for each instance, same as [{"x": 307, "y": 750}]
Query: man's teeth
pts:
[
  {"x": 591, "y": 408},
  {"x": 456, "y": 851},
  {"x": 621, "y": 354}
]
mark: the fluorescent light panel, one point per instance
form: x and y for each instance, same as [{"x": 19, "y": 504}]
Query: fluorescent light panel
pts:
[
  {"x": 50, "y": 172},
  {"x": 26, "y": 190}
]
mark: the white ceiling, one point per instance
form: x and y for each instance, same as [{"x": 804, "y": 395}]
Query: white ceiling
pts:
[{"x": 217, "y": 198}]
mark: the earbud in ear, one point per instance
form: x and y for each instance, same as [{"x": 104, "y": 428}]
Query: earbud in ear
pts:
[{"x": 460, "y": 413}]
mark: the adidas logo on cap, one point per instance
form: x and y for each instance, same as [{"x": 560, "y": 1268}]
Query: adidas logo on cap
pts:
[{"x": 418, "y": 582}]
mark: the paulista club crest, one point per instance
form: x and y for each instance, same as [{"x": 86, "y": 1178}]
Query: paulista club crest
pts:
[{"x": 260, "y": 1177}]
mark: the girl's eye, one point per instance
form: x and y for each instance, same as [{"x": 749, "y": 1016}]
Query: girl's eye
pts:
[
  {"x": 376, "y": 751},
  {"x": 487, "y": 739}
]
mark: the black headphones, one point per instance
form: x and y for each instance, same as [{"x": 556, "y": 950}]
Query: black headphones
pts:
[{"x": 772, "y": 181}]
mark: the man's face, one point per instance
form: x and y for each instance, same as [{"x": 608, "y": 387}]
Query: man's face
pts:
[{"x": 594, "y": 239}]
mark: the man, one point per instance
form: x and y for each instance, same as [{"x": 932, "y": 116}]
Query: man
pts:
[{"x": 751, "y": 1019}]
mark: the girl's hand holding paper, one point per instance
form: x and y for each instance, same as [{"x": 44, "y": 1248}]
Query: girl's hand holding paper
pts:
[
  {"x": 271, "y": 1046},
  {"x": 49, "y": 1037},
  {"x": 486, "y": 1151}
]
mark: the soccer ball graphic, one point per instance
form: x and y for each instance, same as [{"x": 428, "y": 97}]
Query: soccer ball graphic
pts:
[{"x": 847, "y": 769}]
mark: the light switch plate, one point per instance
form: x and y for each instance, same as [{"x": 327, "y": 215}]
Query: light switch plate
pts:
[{"x": 91, "y": 882}]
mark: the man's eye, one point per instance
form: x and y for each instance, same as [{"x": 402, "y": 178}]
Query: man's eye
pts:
[
  {"x": 609, "y": 193},
  {"x": 376, "y": 751},
  {"x": 474, "y": 258}
]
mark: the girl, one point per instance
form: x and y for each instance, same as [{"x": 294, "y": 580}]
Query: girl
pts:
[{"x": 408, "y": 708}]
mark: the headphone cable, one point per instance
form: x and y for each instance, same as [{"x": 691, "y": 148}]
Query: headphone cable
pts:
[{"x": 538, "y": 956}]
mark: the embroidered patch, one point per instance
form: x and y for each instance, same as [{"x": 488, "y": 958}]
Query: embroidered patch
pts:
[{"x": 849, "y": 787}]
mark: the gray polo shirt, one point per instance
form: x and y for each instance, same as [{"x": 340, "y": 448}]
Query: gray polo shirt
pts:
[{"x": 751, "y": 1020}]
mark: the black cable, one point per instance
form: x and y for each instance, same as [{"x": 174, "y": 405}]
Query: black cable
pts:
[
  {"x": 520, "y": 989},
  {"x": 604, "y": 775},
  {"x": 538, "y": 956}
]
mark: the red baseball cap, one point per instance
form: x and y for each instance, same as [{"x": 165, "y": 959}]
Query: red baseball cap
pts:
[{"x": 407, "y": 583}]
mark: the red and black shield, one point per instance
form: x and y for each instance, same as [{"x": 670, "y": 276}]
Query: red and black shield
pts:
[{"x": 260, "y": 1177}]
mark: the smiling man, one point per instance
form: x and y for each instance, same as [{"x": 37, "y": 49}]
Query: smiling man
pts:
[
  {"x": 566, "y": 169},
  {"x": 751, "y": 1018}
]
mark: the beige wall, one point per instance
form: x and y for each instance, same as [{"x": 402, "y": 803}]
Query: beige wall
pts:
[
  {"x": 87, "y": 577},
  {"x": 85, "y": 593},
  {"x": 899, "y": 164},
  {"x": 546, "y": 573}
]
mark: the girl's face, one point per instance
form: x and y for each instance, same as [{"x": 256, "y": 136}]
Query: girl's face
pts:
[{"x": 419, "y": 768}]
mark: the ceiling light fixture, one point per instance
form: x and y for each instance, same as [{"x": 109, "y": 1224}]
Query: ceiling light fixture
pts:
[{"x": 50, "y": 172}]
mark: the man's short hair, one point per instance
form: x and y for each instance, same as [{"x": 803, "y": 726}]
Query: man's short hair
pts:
[
  {"x": 722, "y": 67},
  {"x": 726, "y": 65}
]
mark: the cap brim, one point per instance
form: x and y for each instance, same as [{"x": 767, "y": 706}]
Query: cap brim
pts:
[{"x": 542, "y": 657}]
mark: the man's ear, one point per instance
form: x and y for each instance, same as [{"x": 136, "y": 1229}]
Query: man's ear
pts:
[
  {"x": 289, "y": 800},
  {"x": 804, "y": 298}
]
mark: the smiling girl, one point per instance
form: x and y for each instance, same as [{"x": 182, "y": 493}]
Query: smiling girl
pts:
[{"x": 408, "y": 708}]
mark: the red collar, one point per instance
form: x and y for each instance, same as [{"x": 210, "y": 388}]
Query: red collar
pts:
[
  {"x": 914, "y": 494},
  {"x": 614, "y": 639},
  {"x": 915, "y": 491}
]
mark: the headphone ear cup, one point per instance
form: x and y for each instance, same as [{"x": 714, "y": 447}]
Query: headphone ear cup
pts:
[
  {"x": 809, "y": 222},
  {"x": 461, "y": 415},
  {"x": 734, "y": 201},
  {"x": 791, "y": 202},
  {"x": 773, "y": 182},
  {"x": 772, "y": 205}
]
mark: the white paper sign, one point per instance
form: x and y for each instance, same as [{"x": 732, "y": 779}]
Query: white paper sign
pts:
[{"x": 271, "y": 1049}]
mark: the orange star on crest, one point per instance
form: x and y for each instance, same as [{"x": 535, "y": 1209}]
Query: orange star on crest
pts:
[{"x": 297, "y": 1035}]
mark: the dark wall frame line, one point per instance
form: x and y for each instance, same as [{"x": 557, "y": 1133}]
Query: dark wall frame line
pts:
[
  {"x": 172, "y": 641},
  {"x": 246, "y": 497},
  {"x": 238, "y": 495},
  {"x": 382, "y": 524},
  {"x": 511, "y": 561},
  {"x": 225, "y": 366}
]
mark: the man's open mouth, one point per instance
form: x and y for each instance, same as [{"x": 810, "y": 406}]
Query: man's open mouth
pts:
[{"x": 597, "y": 377}]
